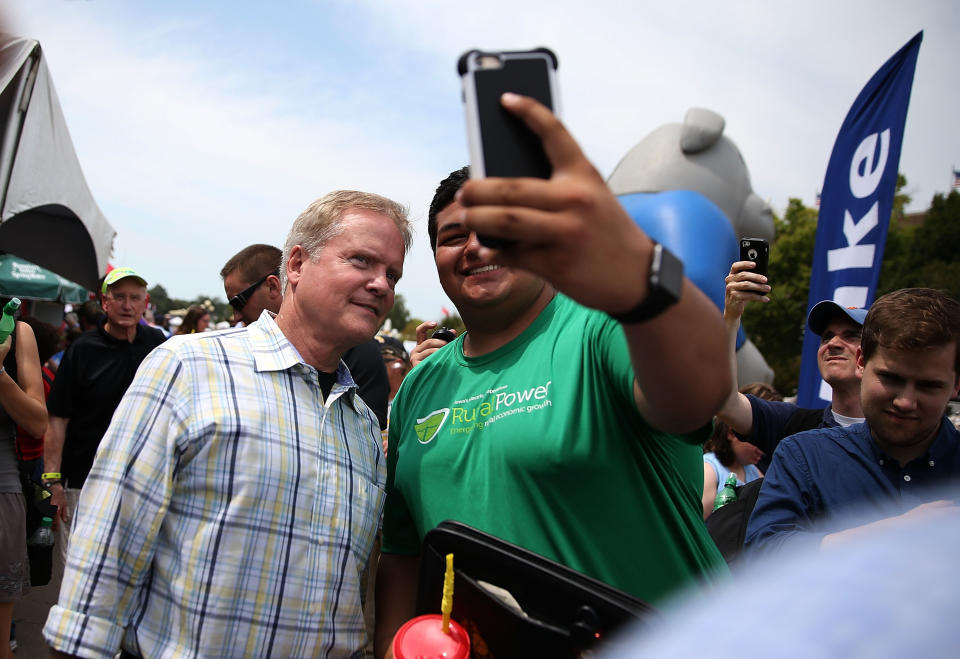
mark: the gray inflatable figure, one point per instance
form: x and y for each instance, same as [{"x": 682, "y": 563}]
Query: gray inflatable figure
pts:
[{"x": 697, "y": 156}]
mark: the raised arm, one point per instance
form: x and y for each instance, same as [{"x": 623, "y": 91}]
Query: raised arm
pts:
[
  {"x": 572, "y": 231},
  {"x": 23, "y": 399},
  {"x": 742, "y": 287}
]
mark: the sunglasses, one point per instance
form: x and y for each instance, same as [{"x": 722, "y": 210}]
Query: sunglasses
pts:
[{"x": 239, "y": 301}]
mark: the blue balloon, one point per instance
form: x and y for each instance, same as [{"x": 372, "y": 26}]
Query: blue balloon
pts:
[{"x": 695, "y": 229}]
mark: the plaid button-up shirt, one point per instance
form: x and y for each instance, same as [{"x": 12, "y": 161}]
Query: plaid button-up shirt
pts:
[{"x": 230, "y": 512}]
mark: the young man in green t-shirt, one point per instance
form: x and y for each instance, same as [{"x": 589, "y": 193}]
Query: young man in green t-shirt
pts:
[{"x": 572, "y": 431}]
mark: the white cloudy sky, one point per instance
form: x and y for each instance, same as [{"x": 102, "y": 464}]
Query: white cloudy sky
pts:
[{"x": 205, "y": 126}]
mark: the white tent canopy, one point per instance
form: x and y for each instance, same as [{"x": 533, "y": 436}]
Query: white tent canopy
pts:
[{"x": 47, "y": 214}]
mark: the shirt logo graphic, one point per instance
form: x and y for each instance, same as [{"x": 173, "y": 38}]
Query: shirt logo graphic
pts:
[{"x": 429, "y": 426}]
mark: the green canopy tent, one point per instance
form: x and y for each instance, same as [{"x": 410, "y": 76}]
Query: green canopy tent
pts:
[{"x": 28, "y": 281}]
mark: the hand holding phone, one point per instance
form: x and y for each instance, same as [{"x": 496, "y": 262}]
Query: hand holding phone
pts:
[
  {"x": 500, "y": 143},
  {"x": 444, "y": 334},
  {"x": 429, "y": 340}
]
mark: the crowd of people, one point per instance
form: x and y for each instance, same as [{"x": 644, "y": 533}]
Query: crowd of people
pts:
[{"x": 245, "y": 492}]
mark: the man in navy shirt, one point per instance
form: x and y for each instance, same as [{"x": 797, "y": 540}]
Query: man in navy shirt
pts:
[
  {"x": 909, "y": 361},
  {"x": 764, "y": 423}
]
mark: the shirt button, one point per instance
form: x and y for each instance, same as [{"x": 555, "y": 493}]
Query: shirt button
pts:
[
  {"x": 881, "y": 462},
  {"x": 931, "y": 463},
  {"x": 906, "y": 477}
]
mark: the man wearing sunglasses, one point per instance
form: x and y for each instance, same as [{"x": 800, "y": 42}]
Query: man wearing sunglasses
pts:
[{"x": 252, "y": 283}]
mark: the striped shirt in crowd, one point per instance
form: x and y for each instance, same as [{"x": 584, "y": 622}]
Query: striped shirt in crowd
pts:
[{"x": 229, "y": 512}]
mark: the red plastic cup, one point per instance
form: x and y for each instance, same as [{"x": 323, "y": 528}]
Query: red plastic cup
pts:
[{"x": 423, "y": 638}]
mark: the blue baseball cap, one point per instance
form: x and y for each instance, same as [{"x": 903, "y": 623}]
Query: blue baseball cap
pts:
[{"x": 826, "y": 310}]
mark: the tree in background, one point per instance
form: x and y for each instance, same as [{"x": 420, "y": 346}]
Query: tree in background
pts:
[
  {"x": 930, "y": 255},
  {"x": 409, "y": 331},
  {"x": 164, "y": 304},
  {"x": 159, "y": 298},
  {"x": 454, "y": 322},
  {"x": 777, "y": 327},
  {"x": 916, "y": 254},
  {"x": 399, "y": 316}
]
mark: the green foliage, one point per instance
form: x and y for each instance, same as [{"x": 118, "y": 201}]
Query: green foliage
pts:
[
  {"x": 399, "y": 316},
  {"x": 163, "y": 303},
  {"x": 932, "y": 257},
  {"x": 409, "y": 331},
  {"x": 777, "y": 327},
  {"x": 925, "y": 254},
  {"x": 453, "y": 321},
  {"x": 160, "y": 299}
]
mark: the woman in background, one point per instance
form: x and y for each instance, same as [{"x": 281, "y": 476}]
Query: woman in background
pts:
[
  {"x": 21, "y": 403},
  {"x": 196, "y": 320},
  {"x": 725, "y": 454}
]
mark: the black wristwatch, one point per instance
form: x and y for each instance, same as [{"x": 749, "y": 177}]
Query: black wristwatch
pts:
[{"x": 665, "y": 284}]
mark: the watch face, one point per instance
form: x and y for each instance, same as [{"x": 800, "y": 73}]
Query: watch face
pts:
[
  {"x": 671, "y": 273},
  {"x": 665, "y": 286}
]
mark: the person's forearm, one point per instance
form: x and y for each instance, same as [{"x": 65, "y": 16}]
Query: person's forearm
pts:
[
  {"x": 927, "y": 510},
  {"x": 53, "y": 443},
  {"x": 736, "y": 410},
  {"x": 28, "y": 412},
  {"x": 680, "y": 362}
]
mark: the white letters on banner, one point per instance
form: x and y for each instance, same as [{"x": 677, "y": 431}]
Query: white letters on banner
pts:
[{"x": 865, "y": 176}]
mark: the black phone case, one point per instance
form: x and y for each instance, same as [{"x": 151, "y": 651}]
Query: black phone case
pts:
[
  {"x": 501, "y": 144},
  {"x": 762, "y": 256}
]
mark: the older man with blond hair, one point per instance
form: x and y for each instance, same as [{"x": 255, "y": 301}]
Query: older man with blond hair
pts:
[{"x": 233, "y": 505}]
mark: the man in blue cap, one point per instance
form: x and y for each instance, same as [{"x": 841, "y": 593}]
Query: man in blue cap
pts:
[
  {"x": 764, "y": 423},
  {"x": 93, "y": 376},
  {"x": 892, "y": 467}
]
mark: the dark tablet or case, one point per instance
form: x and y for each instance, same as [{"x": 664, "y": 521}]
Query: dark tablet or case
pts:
[{"x": 568, "y": 612}]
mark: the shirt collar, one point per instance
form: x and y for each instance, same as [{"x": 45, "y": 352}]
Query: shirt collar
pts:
[
  {"x": 272, "y": 351},
  {"x": 941, "y": 447}
]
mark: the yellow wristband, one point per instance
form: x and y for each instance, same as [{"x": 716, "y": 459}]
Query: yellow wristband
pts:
[{"x": 53, "y": 475}]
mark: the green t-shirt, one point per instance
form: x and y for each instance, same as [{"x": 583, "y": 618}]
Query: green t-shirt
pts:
[{"x": 540, "y": 443}]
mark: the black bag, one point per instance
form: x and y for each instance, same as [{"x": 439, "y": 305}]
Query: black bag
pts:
[
  {"x": 727, "y": 525},
  {"x": 37, "y": 500},
  {"x": 566, "y": 611}
]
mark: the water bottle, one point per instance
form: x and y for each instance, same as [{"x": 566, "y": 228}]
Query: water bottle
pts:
[
  {"x": 40, "y": 552},
  {"x": 7, "y": 321},
  {"x": 728, "y": 494},
  {"x": 43, "y": 536}
]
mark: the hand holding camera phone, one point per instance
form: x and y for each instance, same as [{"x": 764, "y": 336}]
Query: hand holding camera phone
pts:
[
  {"x": 500, "y": 143},
  {"x": 444, "y": 334},
  {"x": 756, "y": 250}
]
